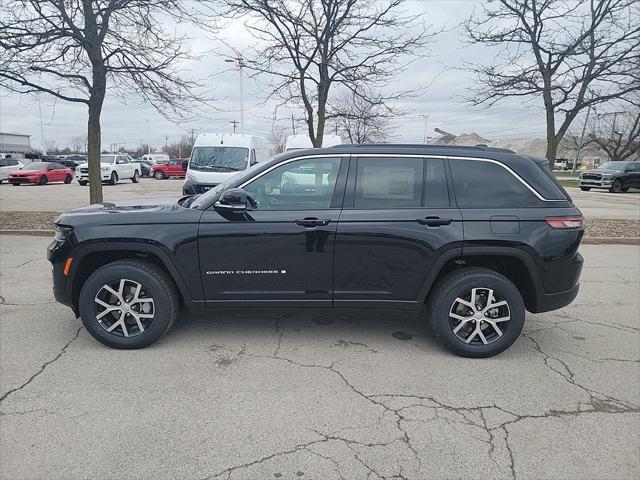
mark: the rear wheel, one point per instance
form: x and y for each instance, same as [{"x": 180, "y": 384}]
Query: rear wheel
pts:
[
  {"x": 43, "y": 180},
  {"x": 128, "y": 304},
  {"x": 136, "y": 177},
  {"x": 113, "y": 179},
  {"x": 83, "y": 182},
  {"x": 159, "y": 175},
  {"x": 585, "y": 189},
  {"x": 476, "y": 312},
  {"x": 617, "y": 186},
  {"x": 68, "y": 179}
]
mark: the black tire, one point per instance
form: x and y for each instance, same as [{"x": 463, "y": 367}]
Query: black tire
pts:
[
  {"x": 154, "y": 281},
  {"x": 68, "y": 179},
  {"x": 113, "y": 179},
  {"x": 43, "y": 180},
  {"x": 15, "y": 184},
  {"x": 585, "y": 189},
  {"x": 159, "y": 174},
  {"x": 617, "y": 186},
  {"x": 625, "y": 189},
  {"x": 84, "y": 183},
  {"x": 444, "y": 299},
  {"x": 136, "y": 177}
]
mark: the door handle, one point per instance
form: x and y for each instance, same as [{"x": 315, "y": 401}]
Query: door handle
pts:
[
  {"x": 310, "y": 222},
  {"x": 434, "y": 221}
]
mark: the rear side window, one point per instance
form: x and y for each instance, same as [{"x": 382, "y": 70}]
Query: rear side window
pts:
[
  {"x": 389, "y": 183},
  {"x": 487, "y": 185}
]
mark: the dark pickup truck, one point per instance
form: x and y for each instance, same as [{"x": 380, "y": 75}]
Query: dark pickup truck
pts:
[{"x": 616, "y": 177}]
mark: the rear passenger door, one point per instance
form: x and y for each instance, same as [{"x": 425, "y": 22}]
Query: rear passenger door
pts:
[{"x": 397, "y": 221}]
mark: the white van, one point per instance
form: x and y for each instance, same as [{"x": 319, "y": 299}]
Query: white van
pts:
[
  {"x": 300, "y": 142},
  {"x": 218, "y": 156},
  {"x": 155, "y": 157}
]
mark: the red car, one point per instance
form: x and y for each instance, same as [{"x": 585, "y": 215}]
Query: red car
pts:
[
  {"x": 172, "y": 168},
  {"x": 41, "y": 173}
]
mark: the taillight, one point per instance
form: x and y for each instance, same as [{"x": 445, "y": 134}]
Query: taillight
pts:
[{"x": 565, "y": 222}]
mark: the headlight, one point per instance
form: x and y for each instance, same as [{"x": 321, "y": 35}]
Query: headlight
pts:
[
  {"x": 191, "y": 178},
  {"x": 105, "y": 169},
  {"x": 62, "y": 233}
]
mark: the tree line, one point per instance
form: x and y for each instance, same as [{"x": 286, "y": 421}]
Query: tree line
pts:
[{"x": 333, "y": 59}]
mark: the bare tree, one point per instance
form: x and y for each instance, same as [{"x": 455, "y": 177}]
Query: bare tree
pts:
[
  {"x": 361, "y": 121},
  {"x": 617, "y": 134},
  {"x": 309, "y": 46},
  {"x": 571, "y": 54},
  {"x": 79, "y": 50},
  {"x": 180, "y": 149},
  {"x": 78, "y": 143},
  {"x": 278, "y": 138}
]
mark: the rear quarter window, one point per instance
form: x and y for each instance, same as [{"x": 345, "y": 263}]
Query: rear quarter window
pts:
[{"x": 480, "y": 184}]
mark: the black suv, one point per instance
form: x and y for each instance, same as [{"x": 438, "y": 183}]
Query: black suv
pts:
[
  {"x": 616, "y": 177},
  {"x": 476, "y": 235}
]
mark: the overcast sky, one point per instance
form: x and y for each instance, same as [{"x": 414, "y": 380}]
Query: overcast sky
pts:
[{"x": 133, "y": 122}]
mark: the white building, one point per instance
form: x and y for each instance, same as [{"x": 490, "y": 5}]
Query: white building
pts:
[{"x": 15, "y": 143}]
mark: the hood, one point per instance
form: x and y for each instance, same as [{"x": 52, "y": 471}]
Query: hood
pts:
[
  {"x": 152, "y": 210},
  {"x": 86, "y": 165},
  {"x": 601, "y": 172}
]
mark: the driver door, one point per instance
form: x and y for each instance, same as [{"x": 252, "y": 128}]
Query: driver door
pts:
[{"x": 279, "y": 253}]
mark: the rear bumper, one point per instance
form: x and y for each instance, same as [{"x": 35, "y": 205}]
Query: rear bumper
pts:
[{"x": 545, "y": 302}]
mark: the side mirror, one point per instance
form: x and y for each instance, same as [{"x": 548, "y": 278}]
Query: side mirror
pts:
[
  {"x": 233, "y": 200},
  {"x": 185, "y": 165}
]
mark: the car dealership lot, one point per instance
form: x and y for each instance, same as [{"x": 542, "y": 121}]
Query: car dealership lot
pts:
[{"x": 306, "y": 395}]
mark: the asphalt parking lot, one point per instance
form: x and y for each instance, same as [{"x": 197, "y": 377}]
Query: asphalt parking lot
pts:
[
  {"x": 60, "y": 197},
  {"x": 301, "y": 396}
]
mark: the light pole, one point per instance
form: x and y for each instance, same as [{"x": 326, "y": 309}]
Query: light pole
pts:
[{"x": 239, "y": 64}]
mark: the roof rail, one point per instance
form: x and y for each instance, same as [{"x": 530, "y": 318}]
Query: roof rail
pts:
[{"x": 424, "y": 145}]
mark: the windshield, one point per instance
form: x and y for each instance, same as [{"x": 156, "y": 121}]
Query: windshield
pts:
[
  {"x": 219, "y": 159},
  {"x": 107, "y": 158},
  {"x": 207, "y": 197},
  {"x": 35, "y": 166},
  {"x": 616, "y": 166}
]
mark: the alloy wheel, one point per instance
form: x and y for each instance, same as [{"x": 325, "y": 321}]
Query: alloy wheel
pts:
[
  {"x": 124, "y": 308},
  {"x": 475, "y": 316}
]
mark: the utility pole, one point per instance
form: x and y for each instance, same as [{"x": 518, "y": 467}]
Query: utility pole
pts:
[
  {"x": 426, "y": 122},
  {"x": 584, "y": 129},
  {"x": 234, "y": 123},
  {"x": 166, "y": 140},
  {"x": 239, "y": 64},
  {"x": 148, "y": 143},
  {"x": 44, "y": 147},
  {"x": 293, "y": 125},
  {"x": 193, "y": 140}
]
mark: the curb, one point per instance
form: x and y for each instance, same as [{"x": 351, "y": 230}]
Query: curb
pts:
[{"x": 32, "y": 233}]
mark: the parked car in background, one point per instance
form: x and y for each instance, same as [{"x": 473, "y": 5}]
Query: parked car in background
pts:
[
  {"x": 155, "y": 157},
  {"x": 41, "y": 173},
  {"x": 113, "y": 167},
  {"x": 145, "y": 166},
  {"x": 8, "y": 165},
  {"x": 616, "y": 177},
  {"x": 172, "y": 168},
  {"x": 216, "y": 157}
]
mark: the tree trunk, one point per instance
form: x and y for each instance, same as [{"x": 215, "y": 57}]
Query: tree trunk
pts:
[{"x": 93, "y": 150}]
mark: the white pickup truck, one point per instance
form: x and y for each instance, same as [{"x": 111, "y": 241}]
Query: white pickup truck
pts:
[{"x": 113, "y": 167}]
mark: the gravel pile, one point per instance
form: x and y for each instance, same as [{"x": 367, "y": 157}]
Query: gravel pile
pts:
[{"x": 44, "y": 221}]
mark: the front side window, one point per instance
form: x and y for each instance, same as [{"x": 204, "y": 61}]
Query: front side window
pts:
[
  {"x": 480, "y": 184},
  {"x": 389, "y": 182},
  {"x": 219, "y": 159},
  {"x": 298, "y": 185},
  {"x": 107, "y": 158}
]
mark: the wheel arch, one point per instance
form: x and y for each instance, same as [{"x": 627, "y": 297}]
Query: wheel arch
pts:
[{"x": 91, "y": 257}]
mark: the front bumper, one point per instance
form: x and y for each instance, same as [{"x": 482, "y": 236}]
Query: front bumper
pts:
[
  {"x": 192, "y": 188},
  {"x": 84, "y": 177},
  {"x": 604, "y": 183},
  {"x": 21, "y": 180},
  {"x": 57, "y": 254}
]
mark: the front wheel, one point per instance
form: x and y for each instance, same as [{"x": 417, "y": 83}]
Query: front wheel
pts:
[
  {"x": 617, "y": 186},
  {"x": 113, "y": 179},
  {"x": 43, "y": 180},
  {"x": 68, "y": 179},
  {"x": 159, "y": 175},
  {"x": 585, "y": 189},
  {"x": 128, "y": 304},
  {"x": 83, "y": 182},
  {"x": 136, "y": 177},
  {"x": 476, "y": 312}
]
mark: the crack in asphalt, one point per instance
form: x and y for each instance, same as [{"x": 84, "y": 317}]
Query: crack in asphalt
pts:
[{"x": 43, "y": 367}]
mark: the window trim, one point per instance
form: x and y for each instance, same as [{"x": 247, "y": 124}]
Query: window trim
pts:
[{"x": 337, "y": 199}]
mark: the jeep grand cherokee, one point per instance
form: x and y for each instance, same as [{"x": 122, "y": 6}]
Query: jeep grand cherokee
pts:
[{"x": 477, "y": 235}]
